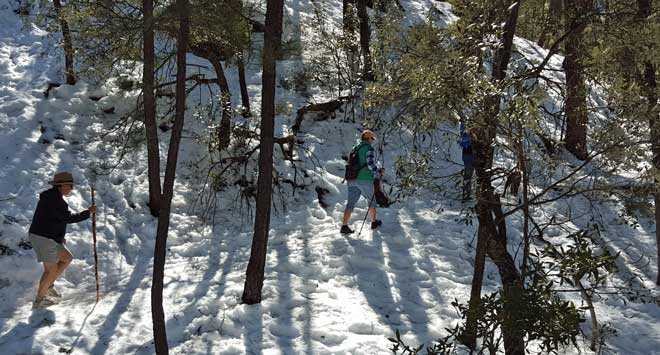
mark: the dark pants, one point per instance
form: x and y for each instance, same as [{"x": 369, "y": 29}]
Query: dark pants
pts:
[{"x": 468, "y": 172}]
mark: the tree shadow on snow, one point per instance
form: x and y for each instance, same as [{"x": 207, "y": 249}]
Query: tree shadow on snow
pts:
[
  {"x": 284, "y": 330},
  {"x": 253, "y": 336},
  {"x": 307, "y": 327},
  {"x": 176, "y": 326},
  {"x": 368, "y": 263},
  {"x": 407, "y": 277},
  {"x": 107, "y": 329},
  {"x": 20, "y": 339},
  {"x": 82, "y": 326},
  {"x": 191, "y": 311}
]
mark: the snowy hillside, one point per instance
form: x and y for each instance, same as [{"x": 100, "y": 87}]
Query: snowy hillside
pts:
[{"x": 324, "y": 293}]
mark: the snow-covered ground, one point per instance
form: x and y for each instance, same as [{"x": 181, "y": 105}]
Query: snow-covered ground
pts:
[{"x": 324, "y": 293}]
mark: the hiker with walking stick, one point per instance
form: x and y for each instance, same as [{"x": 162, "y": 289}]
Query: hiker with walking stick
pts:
[
  {"x": 47, "y": 233},
  {"x": 361, "y": 171}
]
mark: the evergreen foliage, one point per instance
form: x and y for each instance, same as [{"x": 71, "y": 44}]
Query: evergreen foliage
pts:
[{"x": 428, "y": 78}]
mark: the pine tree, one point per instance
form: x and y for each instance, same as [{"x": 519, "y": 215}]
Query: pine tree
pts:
[
  {"x": 577, "y": 122},
  {"x": 149, "y": 102},
  {"x": 254, "y": 279},
  {"x": 68, "y": 43},
  {"x": 160, "y": 249},
  {"x": 365, "y": 40}
]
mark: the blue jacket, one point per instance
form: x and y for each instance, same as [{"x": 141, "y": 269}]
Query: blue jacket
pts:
[
  {"x": 466, "y": 141},
  {"x": 52, "y": 215},
  {"x": 466, "y": 145}
]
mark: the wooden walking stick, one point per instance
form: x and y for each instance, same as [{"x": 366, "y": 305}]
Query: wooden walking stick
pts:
[{"x": 96, "y": 258}]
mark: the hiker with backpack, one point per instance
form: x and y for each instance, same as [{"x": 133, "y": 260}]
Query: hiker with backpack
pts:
[
  {"x": 468, "y": 161},
  {"x": 361, "y": 171},
  {"x": 47, "y": 233}
]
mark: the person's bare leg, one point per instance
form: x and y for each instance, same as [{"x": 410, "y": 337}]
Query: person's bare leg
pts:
[
  {"x": 372, "y": 212},
  {"x": 347, "y": 217},
  {"x": 47, "y": 278},
  {"x": 65, "y": 259}
]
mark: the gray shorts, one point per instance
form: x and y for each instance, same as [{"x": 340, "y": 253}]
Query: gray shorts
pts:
[
  {"x": 357, "y": 188},
  {"x": 47, "y": 249}
]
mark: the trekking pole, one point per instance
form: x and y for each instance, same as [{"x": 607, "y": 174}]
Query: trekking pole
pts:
[
  {"x": 366, "y": 214},
  {"x": 96, "y": 259}
]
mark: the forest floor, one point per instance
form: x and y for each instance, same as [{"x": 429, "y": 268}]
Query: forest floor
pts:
[{"x": 324, "y": 293}]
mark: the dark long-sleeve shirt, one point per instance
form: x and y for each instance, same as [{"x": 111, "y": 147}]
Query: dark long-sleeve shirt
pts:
[{"x": 52, "y": 215}]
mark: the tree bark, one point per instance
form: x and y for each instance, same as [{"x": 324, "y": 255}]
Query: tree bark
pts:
[
  {"x": 68, "y": 43},
  {"x": 350, "y": 39},
  {"x": 555, "y": 9},
  {"x": 365, "y": 40},
  {"x": 595, "y": 332},
  {"x": 651, "y": 88},
  {"x": 576, "y": 90},
  {"x": 158, "y": 315},
  {"x": 512, "y": 283},
  {"x": 492, "y": 231},
  {"x": 654, "y": 118},
  {"x": 255, "y": 271},
  {"x": 522, "y": 165},
  {"x": 153, "y": 151},
  {"x": 474, "y": 305},
  {"x": 650, "y": 85},
  {"x": 224, "y": 130},
  {"x": 245, "y": 96}
]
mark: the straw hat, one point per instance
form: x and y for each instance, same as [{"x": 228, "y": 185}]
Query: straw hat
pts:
[{"x": 63, "y": 178}]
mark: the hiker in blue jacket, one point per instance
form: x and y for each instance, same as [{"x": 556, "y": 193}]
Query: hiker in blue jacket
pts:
[
  {"x": 47, "y": 233},
  {"x": 363, "y": 185},
  {"x": 468, "y": 161}
]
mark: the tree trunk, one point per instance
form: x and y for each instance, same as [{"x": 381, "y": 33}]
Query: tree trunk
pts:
[
  {"x": 656, "y": 203},
  {"x": 474, "y": 305},
  {"x": 245, "y": 96},
  {"x": 492, "y": 231},
  {"x": 595, "y": 332},
  {"x": 654, "y": 122},
  {"x": 224, "y": 131},
  {"x": 522, "y": 165},
  {"x": 576, "y": 90},
  {"x": 555, "y": 9},
  {"x": 650, "y": 86},
  {"x": 255, "y": 271},
  {"x": 68, "y": 43},
  {"x": 350, "y": 38},
  {"x": 512, "y": 282},
  {"x": 153, "y": 151},
  {"x": 365, "y": 40},
  {"x": 158, "y": 315}
]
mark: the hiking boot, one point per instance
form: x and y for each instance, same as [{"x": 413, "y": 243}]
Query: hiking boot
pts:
[
  {"x": 375, "y": 224},
  {"x": 43, "y": 302},
  {"x": 345, "y": 230},
  {"x": 52, "y": 292}
]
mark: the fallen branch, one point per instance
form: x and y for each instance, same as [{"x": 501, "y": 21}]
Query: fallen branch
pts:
[{"x": 327, "y": 107}]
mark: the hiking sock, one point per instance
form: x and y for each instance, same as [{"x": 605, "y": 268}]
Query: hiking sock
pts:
[
  {"x": 42, "y": 302},
  {"x": 52, "y": 292}
]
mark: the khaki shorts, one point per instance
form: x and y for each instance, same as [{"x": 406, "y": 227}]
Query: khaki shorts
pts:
[{"x": 47, "y": 249}]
